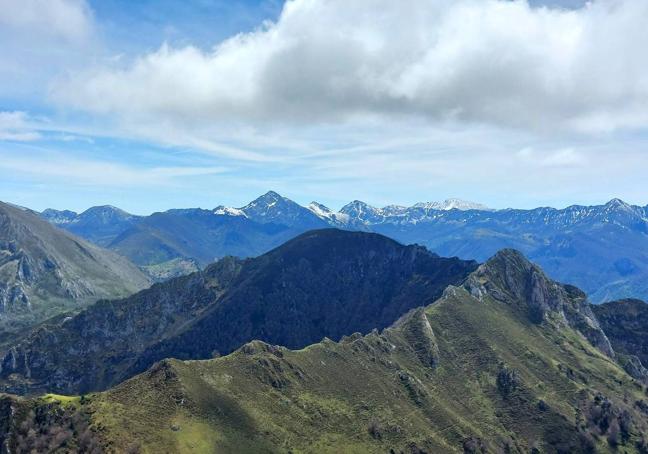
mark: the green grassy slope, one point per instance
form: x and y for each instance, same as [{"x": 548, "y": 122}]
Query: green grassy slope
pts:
[{"x": 461, "y": 375}]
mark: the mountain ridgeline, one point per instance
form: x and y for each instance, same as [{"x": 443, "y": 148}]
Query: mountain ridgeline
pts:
[
  {"x": 324, "y": 283},
  {"x": 505, "y": 360},
  {"x": 45, "y": 271},
  {"x": 601, "y": 249}
]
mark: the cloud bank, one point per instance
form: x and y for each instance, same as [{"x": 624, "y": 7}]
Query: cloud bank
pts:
[{"x": 495, "y": 62}]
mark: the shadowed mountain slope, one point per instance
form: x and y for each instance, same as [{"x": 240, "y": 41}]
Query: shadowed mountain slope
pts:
[
  {"x": 322, "y": 283},
  {"x": 501, "y": 363}
]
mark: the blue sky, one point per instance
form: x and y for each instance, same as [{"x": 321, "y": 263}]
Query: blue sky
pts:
[{"x": 150, "y": 105}]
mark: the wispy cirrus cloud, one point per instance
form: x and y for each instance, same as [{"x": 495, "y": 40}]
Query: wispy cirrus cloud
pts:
[
  {"x": 57, "y": 167},
  {"x": 16, "y": 126}
]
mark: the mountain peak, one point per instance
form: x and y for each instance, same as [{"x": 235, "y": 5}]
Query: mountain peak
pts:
[
  {"x": 270, "y": 198},
  {"x": 511, "y": 278},
  {"x": 361, "y": 211},
  {"x": 59, "y": 217},
  {"x": 273, "y": 207},
  {"x": 618, "y": 204},
  {"x": 105, "y": 209}
]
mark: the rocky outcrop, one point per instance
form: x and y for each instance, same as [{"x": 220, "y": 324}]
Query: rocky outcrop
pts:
[
  {"x": 511, "y": 278},
  {"x": 625, "y": 322}
]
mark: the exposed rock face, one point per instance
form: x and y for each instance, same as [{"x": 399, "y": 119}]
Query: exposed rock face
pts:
[
  {"x": 325, "y": 283},
  {"x": 626, "y": 324},
  {"x": 511, "y": 278}
]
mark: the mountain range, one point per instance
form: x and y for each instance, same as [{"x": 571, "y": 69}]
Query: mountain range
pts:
[
  {"x": 324, "y": 283},
  {"x": 422, "y": 355},
  {"x": 45, "y": 271},
  {"x": 602, "y": 249}
]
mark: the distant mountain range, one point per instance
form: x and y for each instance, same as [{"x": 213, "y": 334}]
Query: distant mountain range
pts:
[
  {"x": 45, "y": 271},
  {"x": 504, "y": 359},
  {"x": 602, "y": 249}
]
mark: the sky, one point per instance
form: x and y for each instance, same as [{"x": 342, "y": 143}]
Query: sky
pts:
[{"x": 152, "y": 105}]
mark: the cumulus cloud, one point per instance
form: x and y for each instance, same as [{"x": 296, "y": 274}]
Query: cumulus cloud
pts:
[{"x": 504, "y": 63}]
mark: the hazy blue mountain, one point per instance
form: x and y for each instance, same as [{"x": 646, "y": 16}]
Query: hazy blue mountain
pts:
[
  {"x": 602, "y": 249},
  {"x": 201, "y": 235},
  {"x": 101, "y": 224},
  {"x": 195, "y": 234}
]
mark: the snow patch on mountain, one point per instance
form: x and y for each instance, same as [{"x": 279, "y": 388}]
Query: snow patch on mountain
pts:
[
  {"x": 452, "y": 204},
  {"x": 325, "y": 213},
  {"x": 228, "y": 211}
]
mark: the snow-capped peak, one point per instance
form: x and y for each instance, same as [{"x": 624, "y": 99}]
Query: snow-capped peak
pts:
[{"x": 452, "y": 204}]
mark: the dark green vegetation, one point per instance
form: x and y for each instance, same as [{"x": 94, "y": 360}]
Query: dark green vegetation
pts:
[
  {"x": 601, "y": 249},
  {"x": 324, "y": 283},
  {"x": 45, "y": 271},
  {"x": 509, "y": 361}
]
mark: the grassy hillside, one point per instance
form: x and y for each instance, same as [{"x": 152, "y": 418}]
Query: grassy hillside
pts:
[{"x": 473, "y": 372}]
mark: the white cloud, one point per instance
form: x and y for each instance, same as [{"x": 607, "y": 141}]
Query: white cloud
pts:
[
  {"x": 497, "y": 62},
  {"x": 15, "y": 126},
  {"x": 40, "y": 40},
  {"x": 69, "y": 20}
]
